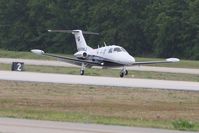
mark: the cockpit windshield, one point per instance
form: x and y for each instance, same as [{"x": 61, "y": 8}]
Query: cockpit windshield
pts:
[{"x": 117, "y": 49}]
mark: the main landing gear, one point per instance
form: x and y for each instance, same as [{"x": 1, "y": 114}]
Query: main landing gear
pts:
[
  {"x": 82, "y": 69},
  {"x": 123, "y": 72},
  {"x": 81, "y": 72}
]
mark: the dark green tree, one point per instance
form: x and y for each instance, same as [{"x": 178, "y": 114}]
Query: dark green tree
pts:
[{"x": 162, "y": 28}]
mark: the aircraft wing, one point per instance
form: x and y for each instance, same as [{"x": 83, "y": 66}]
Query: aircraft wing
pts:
[
  {"x": 65, "y": 59},
  {"x": 169, "y": 60}
]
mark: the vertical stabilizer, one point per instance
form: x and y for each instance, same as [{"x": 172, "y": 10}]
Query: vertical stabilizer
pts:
[{"x": 80, "y": 40}]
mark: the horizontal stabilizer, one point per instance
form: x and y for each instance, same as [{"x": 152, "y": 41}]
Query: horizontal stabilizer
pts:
[
  {"x": 91, "y": 33},
  {"x": 64, "y": 31},
  {"x": 74, "y": 31}
]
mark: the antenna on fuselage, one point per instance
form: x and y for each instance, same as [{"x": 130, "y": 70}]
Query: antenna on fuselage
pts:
[{"x": 105, "y": 44}]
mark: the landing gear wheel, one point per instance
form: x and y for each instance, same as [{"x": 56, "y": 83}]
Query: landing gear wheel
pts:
[
  {"x": 81, "y": 72},
  {"x": 121, "y": 74},
  {"x": 126, "y": 72}
]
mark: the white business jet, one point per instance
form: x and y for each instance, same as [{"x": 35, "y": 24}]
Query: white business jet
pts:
[{"x": 107, "y": 56}]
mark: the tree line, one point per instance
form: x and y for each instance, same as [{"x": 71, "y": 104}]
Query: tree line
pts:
[{"x": 155, "y": 28}]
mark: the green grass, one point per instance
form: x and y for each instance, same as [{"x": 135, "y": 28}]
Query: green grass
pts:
[
  {"x": 108, "y": 72},
  {"x": 98, "y": 104},
  {"x": 29, "y": 55},
  {"x": 183, "y": 124},
  {"x": 84, "y": 118}
]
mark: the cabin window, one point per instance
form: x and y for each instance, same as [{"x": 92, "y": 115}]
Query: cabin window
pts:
[
  {"x": 117, "y": 50},
  {"x": 110, "y": 50},
  {"x": 104, "y": 51},
  {"x": 101, "y": 51}
]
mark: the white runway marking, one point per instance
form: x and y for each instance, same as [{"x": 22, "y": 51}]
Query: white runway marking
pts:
[
  {"x": 136, "y": 68},
  {"x": 93, "y": 80},
  {"x": 8, "y": 125}
]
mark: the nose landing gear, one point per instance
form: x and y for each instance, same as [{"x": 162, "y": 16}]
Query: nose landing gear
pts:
[{"x": 123, "y": 72}]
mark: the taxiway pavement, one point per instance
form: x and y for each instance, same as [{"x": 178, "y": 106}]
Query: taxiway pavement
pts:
[
  {"x": 136, "y": 68},
  {"x": 94, "y": 80},
  {"x": 9, "y": 125}
]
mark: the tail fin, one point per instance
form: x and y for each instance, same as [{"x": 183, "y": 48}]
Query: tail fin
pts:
[
  {"x": 79, "y": 38},
  {"x": 80, "y": 41}
]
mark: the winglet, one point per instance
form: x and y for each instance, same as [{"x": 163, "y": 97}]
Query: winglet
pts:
[
  {"x": 37, "y": 51},
  {"x": 172, "y": 59}
]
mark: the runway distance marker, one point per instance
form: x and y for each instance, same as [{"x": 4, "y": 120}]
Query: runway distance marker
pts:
[{"x": 17, "y": 66}]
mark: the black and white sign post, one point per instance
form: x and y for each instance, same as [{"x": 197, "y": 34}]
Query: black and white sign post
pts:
[{"x": 17, "y": 66}]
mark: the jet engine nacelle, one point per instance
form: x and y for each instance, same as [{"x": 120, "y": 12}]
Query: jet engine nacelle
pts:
[{"x": 81, "y": 54}]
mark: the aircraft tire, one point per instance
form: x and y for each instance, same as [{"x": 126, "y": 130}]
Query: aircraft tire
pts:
[
  {"x": 82, "y": 72},
  {"x": 126, "y": 72},
  {"x": 121, "y": 74}
]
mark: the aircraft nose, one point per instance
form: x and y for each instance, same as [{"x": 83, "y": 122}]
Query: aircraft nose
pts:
[
  {"x": 131, "y": 59},
  {"x": 126, "y": 59}
]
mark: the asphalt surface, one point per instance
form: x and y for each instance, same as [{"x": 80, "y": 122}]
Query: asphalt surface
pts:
[
  {"x": 96, "y": 80},
  {"x": 136, "y": 68},
  {"x": 8, "y": 125}
]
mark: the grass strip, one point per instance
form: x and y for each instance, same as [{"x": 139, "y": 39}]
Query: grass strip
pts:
[{"x": 103, "y": 105}]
